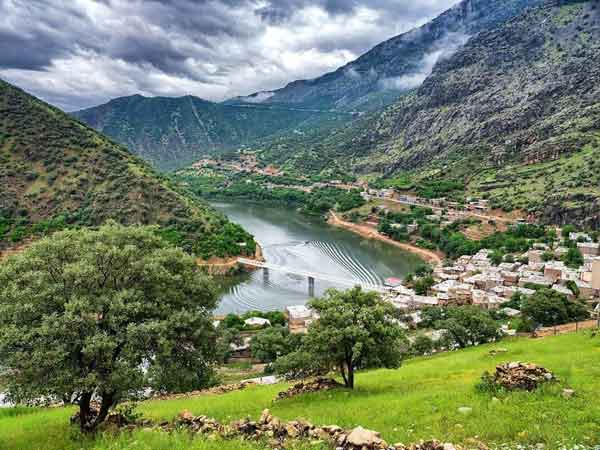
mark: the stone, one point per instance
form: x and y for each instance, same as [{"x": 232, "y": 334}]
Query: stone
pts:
[
  {"x": 465, "y": 410},
  {"x": 266, "y": 416},
  {"x": 448, "y": 446},
  {"x": 291, "y": 429},
  {"x": 185, "y": 415},
  {"x": 303, "y": 387},
  {"x": 360, "y": 437},
  {"x": 568, "y": 393},
  {"x": 523, "y": 376}
]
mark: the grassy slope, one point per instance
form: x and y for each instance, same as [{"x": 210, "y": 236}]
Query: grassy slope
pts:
[
  {"x": 418, "y": 401},
  {"x": 52, "y": 165}
]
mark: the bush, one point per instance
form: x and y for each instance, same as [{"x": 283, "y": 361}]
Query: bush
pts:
[
  {"x": 423, "y": 345},
  {"x": 549, "y": 308},
  {"x": 469, "y": 325},
  {"x": 273, "y": 343}
]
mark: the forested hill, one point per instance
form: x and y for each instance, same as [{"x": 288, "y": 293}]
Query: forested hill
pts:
[
  {"x": 173, "y": 132},
  {"x": 57, "y": 172},
  {"x": 399, "y": 64}
]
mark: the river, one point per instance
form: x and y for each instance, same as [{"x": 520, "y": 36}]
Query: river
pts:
[{"x": 294, "y": 240}]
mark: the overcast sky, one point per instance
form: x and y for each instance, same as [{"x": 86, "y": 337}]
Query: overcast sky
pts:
[{"x": 80, "y": 53}]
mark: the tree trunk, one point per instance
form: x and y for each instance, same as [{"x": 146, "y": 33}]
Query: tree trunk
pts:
[
  {"x": 108, "y": 400},
  {"x": 343, "y": 372},
  {"x": 84, "y": 410},
  {"x": 350, "y": 382}
]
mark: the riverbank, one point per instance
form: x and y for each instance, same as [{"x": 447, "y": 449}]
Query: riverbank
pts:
[
  {"x": 227, "y": 266},
  {"x": 370, "y": 233}
]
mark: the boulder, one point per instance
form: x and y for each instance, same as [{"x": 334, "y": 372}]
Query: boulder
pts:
[{"x": 361, "y": 437}]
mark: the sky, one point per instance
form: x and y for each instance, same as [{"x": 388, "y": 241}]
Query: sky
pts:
[{"x": 80, "y": 53}]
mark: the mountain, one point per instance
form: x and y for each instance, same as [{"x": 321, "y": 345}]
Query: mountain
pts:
[
  {"x": 513, "y": 116},
  {"x": 398, "y": 65},
  {"x": 55, "y": 171},
  {"x": 174, "y": 132}
]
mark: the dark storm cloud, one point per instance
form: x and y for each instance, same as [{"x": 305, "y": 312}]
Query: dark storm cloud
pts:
[{"x": 82, "y": 52}]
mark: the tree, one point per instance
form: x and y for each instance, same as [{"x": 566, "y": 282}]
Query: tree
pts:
[
  {"x": 102, "y": 315},
  {"x": 272, "y": 343},
  {"x": 355, "y": 329},
  {"x": 469, "y": 325},
  {"x": 549, "y": 308},
  {"x": 422, "y": 345},
  {"x": 422, "y": 285},
  {"x": 573, "y": 258}
]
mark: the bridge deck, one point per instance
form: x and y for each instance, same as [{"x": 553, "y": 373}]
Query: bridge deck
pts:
[{"x": 314, "y": 275}]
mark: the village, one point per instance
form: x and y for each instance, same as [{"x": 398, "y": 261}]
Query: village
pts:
[{"x": 476, "y": 279}]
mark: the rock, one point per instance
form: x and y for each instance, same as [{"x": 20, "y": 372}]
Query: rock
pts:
[
  {"x": 497, "y": 351},
  {"x": 448, "y": 446},
  {"x": 360, "y": 437},
  {"x": 185, "y": 415},
  {"x": 568, "y": 393},
  {"x": 332, "y": 429},
  {"x": 291, "y": 429},
  {"x": 465, "y": 410},
  {"x": 524, "y": 376},
  {"x": 266, "y": 416},
  {"x": 303, "y": 387}
]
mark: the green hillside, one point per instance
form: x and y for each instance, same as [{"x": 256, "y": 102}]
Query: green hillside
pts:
[
  {"x": 174, "y": 132},
  {"x": 421, "y": 400},
  {"x": 56, "y": 172},
  {"x": 524, "y": 94}
]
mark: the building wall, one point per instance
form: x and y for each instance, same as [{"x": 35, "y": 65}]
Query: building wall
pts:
[{"x": 596, "y": 274}]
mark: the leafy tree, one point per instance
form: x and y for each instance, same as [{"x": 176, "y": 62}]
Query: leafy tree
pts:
[
  {"x": 469, "y": 325},
  {"x": 233, "y": 321},
  {"x": 423, "y": 270},
  {"x": 573, "y": 258},
  {"x": 299, "y": 364},
  {"x": 496, "y": 257},
  {"x": 102, "y": 315},
  {"x": 549, "y": 308},
  {"x": 274, "y": 342},
  {"x": 355, "y": 329},
  {"x": 430, "y": 316},
  {"x": 422, "y": 345},
  {"x": 422, "y": 285}
]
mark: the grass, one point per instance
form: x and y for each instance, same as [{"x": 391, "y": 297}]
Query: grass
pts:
[{"x": 418, "y": 401}]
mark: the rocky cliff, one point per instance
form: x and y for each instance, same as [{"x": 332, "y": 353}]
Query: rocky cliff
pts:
[{"x": 401, "y": 63}]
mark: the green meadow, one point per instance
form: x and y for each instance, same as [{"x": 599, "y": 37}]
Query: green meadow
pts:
[{"x": 421, "y": 400}]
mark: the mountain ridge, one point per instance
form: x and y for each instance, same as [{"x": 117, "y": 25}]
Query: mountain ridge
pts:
[{"x": 172, "y": 132}]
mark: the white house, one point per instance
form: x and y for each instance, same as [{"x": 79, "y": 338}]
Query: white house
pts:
[{"x": 257, "y": 322}]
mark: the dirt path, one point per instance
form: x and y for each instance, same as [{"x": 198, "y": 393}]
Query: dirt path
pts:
[{"x": 370, "y": 233}]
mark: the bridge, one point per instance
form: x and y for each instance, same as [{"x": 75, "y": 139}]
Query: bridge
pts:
[{"x": 311, "y": 276}]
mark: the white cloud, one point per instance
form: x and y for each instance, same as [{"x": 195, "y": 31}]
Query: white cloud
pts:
[
  {"x": 444, "y": 48},
  {"x": 89, "y": 51}
]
